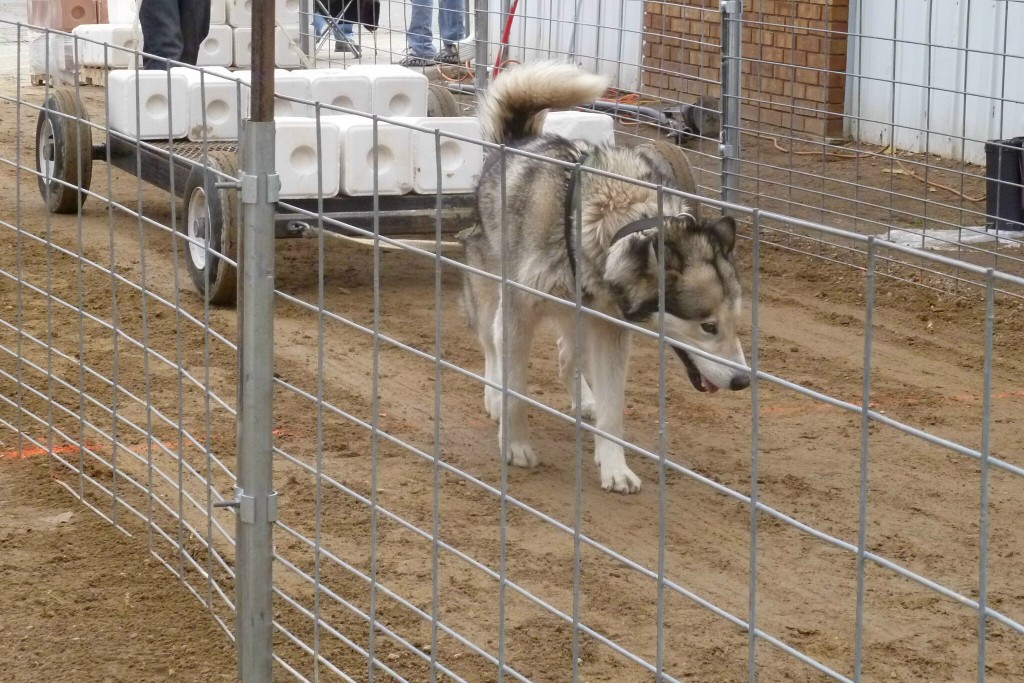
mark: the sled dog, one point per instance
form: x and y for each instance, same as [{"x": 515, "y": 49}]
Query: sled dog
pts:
[{"x": 528, "y": 218}]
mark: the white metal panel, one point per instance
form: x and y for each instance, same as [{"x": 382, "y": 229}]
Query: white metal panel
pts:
[
  {"x": 604, "y": 36},
  {"x": 936, "y": 75}
]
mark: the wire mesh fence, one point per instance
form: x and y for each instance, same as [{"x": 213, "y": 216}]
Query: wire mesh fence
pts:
[{"x": 851, "y": 515}]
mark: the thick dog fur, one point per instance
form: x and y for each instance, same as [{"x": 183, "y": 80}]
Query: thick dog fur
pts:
[{"x": 522, "y": 203}]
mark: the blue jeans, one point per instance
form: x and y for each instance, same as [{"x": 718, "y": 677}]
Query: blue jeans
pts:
[
  {"x": 342, "y": 30},
  {"x": 451, "y": 17}
]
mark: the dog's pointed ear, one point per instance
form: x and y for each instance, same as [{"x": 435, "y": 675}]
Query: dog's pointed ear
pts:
[{"x": 725, "y": 230}]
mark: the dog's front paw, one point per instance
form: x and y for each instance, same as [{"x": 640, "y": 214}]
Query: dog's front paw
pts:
[
  {"x": 619, "y": 479},
  {"x": 586, "y": 409},
  {"x": 492, "y": 403},
  {"x": 520, "y": 454}
]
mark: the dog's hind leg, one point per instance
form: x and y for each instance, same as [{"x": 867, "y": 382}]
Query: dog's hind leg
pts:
[
  {"x": 492, "y": 359},
  {"x": 607, "y": 360},
  {"x": 513, "y": 333},
  {"x": 567, "y": 367}
]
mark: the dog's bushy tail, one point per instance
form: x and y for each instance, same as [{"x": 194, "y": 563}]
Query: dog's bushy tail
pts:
[{"x": 513, "y": 108}]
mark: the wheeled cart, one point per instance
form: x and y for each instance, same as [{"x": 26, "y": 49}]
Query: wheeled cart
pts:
[{"x": 205, "y": 176}]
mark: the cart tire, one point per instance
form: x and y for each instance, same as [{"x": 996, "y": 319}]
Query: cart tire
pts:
[
  {"x": 63, "y": 151},
  {"x": 209, "y": 220},
  {"x": 441, "y": 102},
  {"x": 680, "y": 165}
]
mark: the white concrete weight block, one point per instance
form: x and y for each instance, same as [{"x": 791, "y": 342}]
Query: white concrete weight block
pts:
[
  {"x": 241, "y": 49},
  {"x": 589, "y": 126},
  {"x": 394, "y": 161},
  {"x": 213, "y": 104},
  {"x": 461, "y": 162},
  {"x": 122, "y": 11},
  {"x": 339, "y": 88},
  {"x": 286, "y": 47},
  {"x": 296, "y": 155},
  {"x": 161, "y": 101},
  {"x": 217, "y": 49},
  {"x": 218, "y": 12},
  {"x": 239, "y": 13},
  {"x": 287, "y": 84},
  {"x": 396, "y": 90},
  {"x": 93, "y": 50},
  {"x": 287, "y": 12}
]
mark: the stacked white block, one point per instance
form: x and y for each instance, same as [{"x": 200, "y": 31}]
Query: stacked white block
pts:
[
  {"x": 239, "y": 13},
  {"x": 213, "y": 104},
  {"x": 589, "y": 126},
  {"x": 358, "y": 153},
  {"x": 93, "y": 49},
  {"x": 395, "y": 90},
  {"x": 218, "y": 12},
  {"x": 338, "y": 88},
  {"x": 241, "y": 47},
  {"x": 287, "y": 84},
  {"x": 287, "y": 12},
  {"x": 286, "y": 47},
  {"x": 461, "y": 161},
  {"x": 217, "y": 49},
  {"x": 159, "y": 99},
  {"x": 122, "y": 11},
  {"x": 298, "y": 166}
]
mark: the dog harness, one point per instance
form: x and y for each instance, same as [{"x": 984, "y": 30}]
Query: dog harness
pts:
[{"x": 572, "y": 203}]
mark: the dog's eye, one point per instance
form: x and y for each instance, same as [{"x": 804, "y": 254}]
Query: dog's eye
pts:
[{"x": 710, "y": 328}]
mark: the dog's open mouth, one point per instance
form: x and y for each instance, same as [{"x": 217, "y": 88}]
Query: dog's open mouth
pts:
[{"x": 699, "y": 381}]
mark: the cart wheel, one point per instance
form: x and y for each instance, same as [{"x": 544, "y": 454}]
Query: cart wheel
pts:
[
  {"x": 209, "y": 217},
  {"x": 441, "y": 102},
  {"x": 63, "y": 151},
  {"x": 677, "y": 161}
]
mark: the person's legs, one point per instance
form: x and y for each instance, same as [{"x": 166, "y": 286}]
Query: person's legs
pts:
[
  {"x": 161, "y": 32},
  {"x": 319, "y": 24},
  {"x": 195, "y": 26},
  {"x": 451, "y": 20},
  {"x": 419, "y": 39}
]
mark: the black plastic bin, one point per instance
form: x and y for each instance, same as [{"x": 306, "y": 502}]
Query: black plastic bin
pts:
[{"x": 1004, "y": 189}]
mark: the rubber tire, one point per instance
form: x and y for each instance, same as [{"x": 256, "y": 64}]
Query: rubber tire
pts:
[
  {"x": 72, "y": 146},
  {"x": 680, "y": 165},
  {"x": 441, "y": 102},
  {"x": 213, "y": 277}
]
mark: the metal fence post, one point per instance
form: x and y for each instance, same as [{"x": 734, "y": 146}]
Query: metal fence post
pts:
[
  {"x": 732, "y": 53},
  {"x": 257, "y": 501},
  {"x": 481, "y": 17}
]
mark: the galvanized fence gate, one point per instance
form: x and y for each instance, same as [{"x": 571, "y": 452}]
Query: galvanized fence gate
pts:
[{"x": 329, "y": 485}]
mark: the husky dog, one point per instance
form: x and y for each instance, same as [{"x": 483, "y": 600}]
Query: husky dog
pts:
[{"x": 527, "y": 218}]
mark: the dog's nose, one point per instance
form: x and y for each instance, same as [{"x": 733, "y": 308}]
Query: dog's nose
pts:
[{"x": 739, "y": 382}]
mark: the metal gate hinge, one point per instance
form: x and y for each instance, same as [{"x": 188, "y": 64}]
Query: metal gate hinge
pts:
[
  {"x": 730, "y": 6},
  {"x": 250, "y": 185},
  {"x": 246, "y": 506}
]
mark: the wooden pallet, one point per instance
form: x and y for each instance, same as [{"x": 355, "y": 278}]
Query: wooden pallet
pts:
[{"x": 93, "y": 75}]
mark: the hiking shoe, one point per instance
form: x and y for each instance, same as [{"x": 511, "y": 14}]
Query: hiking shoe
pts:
[
  {"x": 449, "y": 54},
  {"x": 416, "y": 61}
]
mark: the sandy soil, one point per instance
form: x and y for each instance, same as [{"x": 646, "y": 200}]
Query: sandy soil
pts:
[{"x": 923, "y": 504}]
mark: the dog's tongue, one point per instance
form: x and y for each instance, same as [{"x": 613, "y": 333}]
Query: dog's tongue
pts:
[{"x": 708, "y": 386}]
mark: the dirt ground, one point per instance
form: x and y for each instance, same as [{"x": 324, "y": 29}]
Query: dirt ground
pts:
[{"x": 79, "y": 577}]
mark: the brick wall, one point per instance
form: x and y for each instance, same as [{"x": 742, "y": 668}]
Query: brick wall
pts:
[{"x": 794, "y": 58}]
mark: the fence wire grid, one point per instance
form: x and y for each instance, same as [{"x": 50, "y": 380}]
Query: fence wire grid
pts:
[{"x": 851, "y": 516}]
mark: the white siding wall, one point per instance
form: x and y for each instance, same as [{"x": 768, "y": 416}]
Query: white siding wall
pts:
[
  {"x": 608, "y": 35},
  {"x": 936, "y": 75}
]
